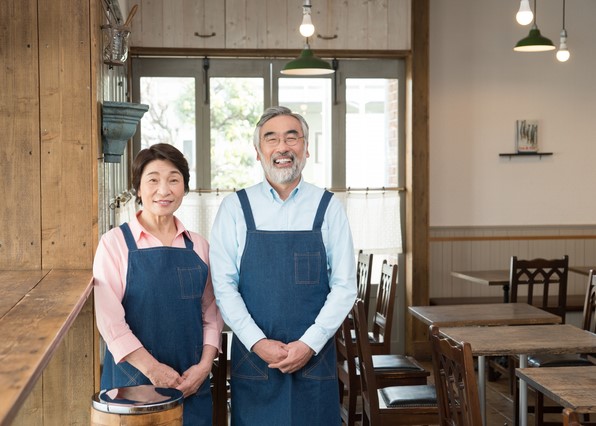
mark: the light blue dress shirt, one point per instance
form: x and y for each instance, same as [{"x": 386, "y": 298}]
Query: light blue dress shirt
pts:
[{"x": 228, "y": 237}]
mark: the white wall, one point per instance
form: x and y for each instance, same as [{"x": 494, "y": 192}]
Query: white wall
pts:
[{"x": 479, "y": 87}]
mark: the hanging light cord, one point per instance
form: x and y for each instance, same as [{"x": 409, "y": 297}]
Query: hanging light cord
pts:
[{"x": 563, "y": 14}]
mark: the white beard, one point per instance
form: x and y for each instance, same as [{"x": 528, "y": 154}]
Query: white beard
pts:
[{"x": 285, "y": 175}]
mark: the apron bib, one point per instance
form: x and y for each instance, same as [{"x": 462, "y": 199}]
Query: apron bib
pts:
[
  {"x": 162, "y": 304},
  {"x": 284, "y": 284}
]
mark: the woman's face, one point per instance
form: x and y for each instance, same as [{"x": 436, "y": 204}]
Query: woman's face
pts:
[{"x": 161, "y": 188}]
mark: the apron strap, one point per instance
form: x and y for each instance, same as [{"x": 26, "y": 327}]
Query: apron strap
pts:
[
  {"x": 318, "y": 222},
  {"x": 130, "y": 241},
  {"x": 187, "y": 241},
  {"x": 248, "y": 217}
]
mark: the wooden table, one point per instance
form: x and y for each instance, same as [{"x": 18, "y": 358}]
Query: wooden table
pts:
[
  {"x": 37, "y": 308},
  {"x": 484, "y": 314},
  {"x": 492, "y": 277},
  {"x": 501, "y": 277},
  {"x": 522, "y": 341},
  {"x": 582, "y": 270},
  {"x": 570, "y": 387}
]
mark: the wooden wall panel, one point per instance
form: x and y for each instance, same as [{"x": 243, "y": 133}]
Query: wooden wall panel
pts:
[
  {"x": 20, "y": 238},
  {"x": 66, "y": 134},
  {"x": 417, "y": 174}
]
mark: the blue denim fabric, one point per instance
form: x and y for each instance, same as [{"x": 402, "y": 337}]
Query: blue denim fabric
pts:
[
  {"x": 284, "y": 284},
  {"x": 162, "y": 301}
]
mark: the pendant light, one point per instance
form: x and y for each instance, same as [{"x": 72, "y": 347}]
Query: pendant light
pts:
[
  {"x": 524, "y": 15},
  {"x": 307, "y": 29},
  {"x": 534, "y": 42},
  {"x": 307, "y": 64},
  {"x": 563, "y": 53}
]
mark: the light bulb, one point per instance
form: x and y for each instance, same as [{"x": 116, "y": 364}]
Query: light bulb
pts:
[
  {"x": 524, "y": 15},
  {"x": 307, "y": 29},
  {"x": 563, "y": 53}
]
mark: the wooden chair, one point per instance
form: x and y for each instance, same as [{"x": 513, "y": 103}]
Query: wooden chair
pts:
[
  {"x": 219, "y": 385},
  {"x": 382, "y": 320},
  {"x": 570, "y": 418},
  {"x": 542, "y": 279},
  {"x": 363, "y": 277},
  {"x": 565, "y": 360},
  {"x": 538, "y": 282},
  {"x": 389, "y": 370},
  {"x": 455, "y": 380},
  {"x": 394, "y": 405}
]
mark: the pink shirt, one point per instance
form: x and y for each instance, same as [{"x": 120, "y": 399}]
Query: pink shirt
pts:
[{"x": 109, "y": 272}]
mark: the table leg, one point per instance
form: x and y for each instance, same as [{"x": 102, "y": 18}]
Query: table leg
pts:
[
  {"x": 482, "y": 387},
  {"x": 523, "y": 394},
  {"x": 506, "y": 293}
]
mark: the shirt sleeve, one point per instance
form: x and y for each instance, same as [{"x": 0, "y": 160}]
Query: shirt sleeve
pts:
[
  {"x": 342, "y": 278},
  {"x": 225, "y": 270},
  {"x": 109, "y": 282},
  {"x": 212, "y": 320}
]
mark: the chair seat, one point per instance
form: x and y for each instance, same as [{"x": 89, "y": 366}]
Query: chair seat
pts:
[
  {"x": 394, "y": 362},
  {"x": 409, "y": 396},
  {"x": 561, "y": 360}
]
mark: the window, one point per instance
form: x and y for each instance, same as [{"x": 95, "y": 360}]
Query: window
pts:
[{"x": 208, "y": 108}]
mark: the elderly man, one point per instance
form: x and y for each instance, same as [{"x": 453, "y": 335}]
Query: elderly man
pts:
[{"x": 284, "y": 277}]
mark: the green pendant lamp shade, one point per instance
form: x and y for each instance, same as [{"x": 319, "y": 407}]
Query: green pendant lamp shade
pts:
[
  {"x": 307, "y": 64},
  {"x": 534, "y": 42}
]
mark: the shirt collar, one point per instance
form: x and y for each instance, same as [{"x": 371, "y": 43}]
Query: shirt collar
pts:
[
  {"x": 139, "y": 230},
  {"x": 268, "y": 189}
]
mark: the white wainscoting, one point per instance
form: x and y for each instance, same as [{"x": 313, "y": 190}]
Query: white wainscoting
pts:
[{"x": 485, "y": 248}]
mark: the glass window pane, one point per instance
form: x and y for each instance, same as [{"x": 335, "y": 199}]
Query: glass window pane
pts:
[
  {"x": 371, "y": 132},
  {"x": 311, "y": 98},
  {"x": 171, "y": 115},
  {"x": 236, "y": 105}
]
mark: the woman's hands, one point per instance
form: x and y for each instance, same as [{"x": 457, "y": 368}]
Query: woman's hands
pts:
[{"x": 193, "y": 378}]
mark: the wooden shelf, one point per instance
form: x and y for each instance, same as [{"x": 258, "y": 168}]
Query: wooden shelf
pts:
[{"x": 524, "y": 154}]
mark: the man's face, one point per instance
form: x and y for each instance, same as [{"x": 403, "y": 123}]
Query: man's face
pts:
[{"x": 282, "y": 150}]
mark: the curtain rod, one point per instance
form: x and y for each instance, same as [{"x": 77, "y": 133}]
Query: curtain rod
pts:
[{"x": 349, "y": 189}]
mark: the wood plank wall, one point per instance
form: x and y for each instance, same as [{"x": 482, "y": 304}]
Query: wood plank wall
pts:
[{"x": 49, "y": 113}]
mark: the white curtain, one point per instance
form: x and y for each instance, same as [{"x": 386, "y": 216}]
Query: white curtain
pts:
[{"x": 374, "y": 217}]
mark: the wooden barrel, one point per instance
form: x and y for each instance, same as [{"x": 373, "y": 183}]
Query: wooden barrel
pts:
[{"x": 137, "y": 406}]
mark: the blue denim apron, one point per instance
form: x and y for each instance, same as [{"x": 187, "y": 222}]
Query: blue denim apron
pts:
[
  {"x": 162, "y": 301},
  {"x": 284, "y": 284}
]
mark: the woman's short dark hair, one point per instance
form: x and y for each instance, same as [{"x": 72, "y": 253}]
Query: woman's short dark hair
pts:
[{"x": 159, "y": 151}]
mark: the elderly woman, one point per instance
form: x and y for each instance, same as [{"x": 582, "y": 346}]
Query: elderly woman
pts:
[{"x": 154, "y": 300}]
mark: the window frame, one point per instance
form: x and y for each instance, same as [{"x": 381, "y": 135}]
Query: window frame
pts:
[{"x": 269, "y": 69}]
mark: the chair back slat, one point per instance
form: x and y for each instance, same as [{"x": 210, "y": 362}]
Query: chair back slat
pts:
[
  {"x": 383, "y": 315},
  {"x": 363, "y": 277}
]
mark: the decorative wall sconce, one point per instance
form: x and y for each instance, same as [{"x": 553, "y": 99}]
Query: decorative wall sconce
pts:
[{"x": 119, "y": 124}]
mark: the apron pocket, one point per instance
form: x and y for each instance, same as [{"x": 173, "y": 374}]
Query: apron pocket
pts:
[
  {"x": 323, "y": 366},
  {"x": 307, "y": 268},
  {"x": 191, "y": 282},
  {"x": 247, "y": 365}
]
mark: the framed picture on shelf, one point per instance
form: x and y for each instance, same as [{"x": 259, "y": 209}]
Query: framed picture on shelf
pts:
[{"x": 526, "y": 136}]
